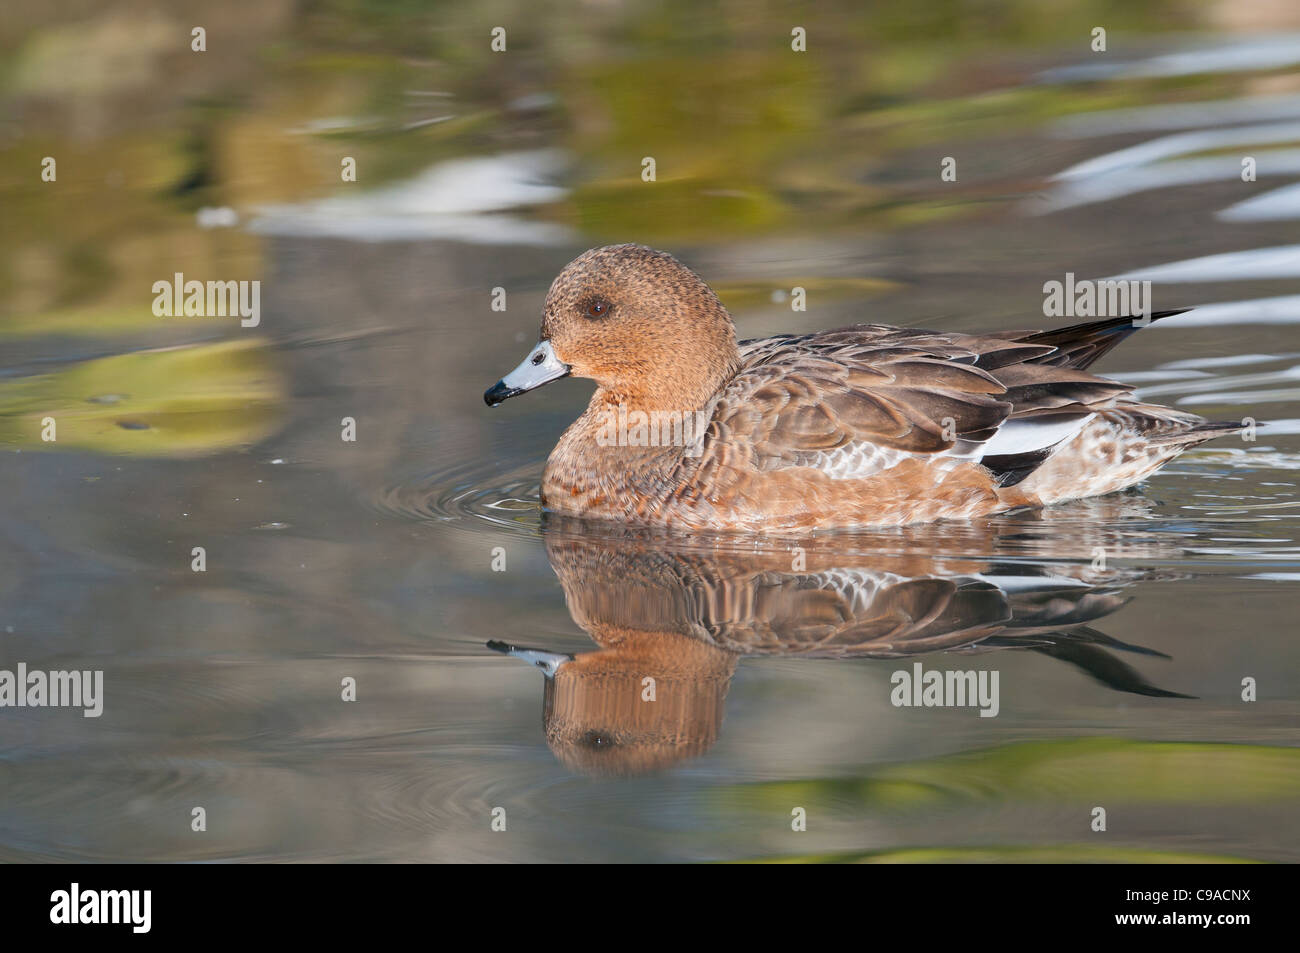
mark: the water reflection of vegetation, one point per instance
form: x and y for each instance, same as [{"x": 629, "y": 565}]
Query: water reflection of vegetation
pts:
[
  {"x": 179, "y": 401},
  {"x": 1079, "y": 771},
  {"x": 748, "y": 136}
]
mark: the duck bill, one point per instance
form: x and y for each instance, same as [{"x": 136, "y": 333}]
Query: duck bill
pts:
[{"x": 540, "y": 367}]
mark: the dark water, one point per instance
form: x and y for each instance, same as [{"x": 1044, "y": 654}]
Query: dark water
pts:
[{"x": 1121, "y": 628}]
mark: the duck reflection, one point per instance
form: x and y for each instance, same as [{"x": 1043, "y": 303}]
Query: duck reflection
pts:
[{"x": 673, "y": 616}]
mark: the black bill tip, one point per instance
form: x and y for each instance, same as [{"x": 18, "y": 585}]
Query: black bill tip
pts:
[{"x": 500, "y": 392}]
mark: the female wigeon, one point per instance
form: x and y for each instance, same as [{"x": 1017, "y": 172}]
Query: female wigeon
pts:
[{"x": 864, "y": 425}]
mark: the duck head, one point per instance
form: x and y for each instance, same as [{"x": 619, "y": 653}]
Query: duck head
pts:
[{"x": 638, "y": 322}]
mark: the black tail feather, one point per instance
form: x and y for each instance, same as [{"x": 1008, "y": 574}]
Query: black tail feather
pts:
[{"x": 1080, "y": 345}]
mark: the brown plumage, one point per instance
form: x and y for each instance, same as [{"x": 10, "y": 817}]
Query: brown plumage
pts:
[{"x": 863, "y": 425}]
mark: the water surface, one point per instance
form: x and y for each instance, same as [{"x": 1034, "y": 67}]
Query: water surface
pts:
[{"x": 499, "y": 654}]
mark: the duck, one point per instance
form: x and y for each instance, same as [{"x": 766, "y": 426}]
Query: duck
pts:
[{"x": 859, "y": 426}]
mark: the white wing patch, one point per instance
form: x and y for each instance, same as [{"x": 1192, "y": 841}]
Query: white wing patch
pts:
[{"x": 1028, "y": 434}]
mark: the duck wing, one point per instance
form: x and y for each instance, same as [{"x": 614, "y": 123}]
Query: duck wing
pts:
[{"x": 856, "y": 400}]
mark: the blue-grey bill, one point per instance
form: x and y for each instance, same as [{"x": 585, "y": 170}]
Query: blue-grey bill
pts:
[{"x": 541, "y": 366}]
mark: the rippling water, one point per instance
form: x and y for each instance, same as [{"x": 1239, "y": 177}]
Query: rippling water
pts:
[{"x": 499, "y": 654}]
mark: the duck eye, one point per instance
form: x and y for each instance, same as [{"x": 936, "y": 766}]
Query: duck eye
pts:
[{"x": 597, "y": 309}]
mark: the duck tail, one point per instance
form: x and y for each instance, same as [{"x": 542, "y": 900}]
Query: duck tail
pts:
[
  {"x": 1198, "y": 433},
  {"x": 1081, "y": 345}
]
